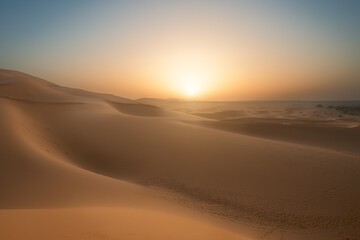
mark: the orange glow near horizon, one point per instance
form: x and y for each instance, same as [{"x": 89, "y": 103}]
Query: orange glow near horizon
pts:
[{"x": 190, "y": 81}]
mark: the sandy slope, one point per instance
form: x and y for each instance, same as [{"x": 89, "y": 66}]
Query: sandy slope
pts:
[
  {"x": 36, "y": 175},
  {"x": 108, "y": 223},
  {"x": 296, "y": 122},
  {"x": 70, "y": 148}
]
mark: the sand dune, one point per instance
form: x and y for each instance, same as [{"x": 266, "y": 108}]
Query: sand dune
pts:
[
  {"x": 100, "y": 157},
  {"x": 313, "y": 133},
  {"x": 139, "y": 109},
  {"x": 296, "y": 122}
]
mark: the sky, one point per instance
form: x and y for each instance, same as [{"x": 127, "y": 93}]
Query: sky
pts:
[{"x": 210, "y": 50}]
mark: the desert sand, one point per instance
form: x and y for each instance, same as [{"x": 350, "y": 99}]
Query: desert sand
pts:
[{"x": 82, "y": 165}]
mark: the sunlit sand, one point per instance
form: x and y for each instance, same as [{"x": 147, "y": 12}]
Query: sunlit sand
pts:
[{"x": 84, "y": 165}]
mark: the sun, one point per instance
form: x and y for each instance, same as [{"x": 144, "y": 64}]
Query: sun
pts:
[
  {"x": 190, "y": 82},
  {"x": 191, "y": 90}
]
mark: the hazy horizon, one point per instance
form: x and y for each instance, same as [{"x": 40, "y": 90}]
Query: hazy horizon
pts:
[{"x": 202, "y": 50}]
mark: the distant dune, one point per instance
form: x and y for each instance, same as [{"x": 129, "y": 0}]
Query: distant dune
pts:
[{"x": 81, "y": 165}]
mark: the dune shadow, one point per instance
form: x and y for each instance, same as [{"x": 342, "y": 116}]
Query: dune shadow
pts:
[{"x": 137, "y": 109}]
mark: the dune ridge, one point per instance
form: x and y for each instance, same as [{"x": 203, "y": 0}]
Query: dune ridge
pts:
[{"x": 71, "y": 148}]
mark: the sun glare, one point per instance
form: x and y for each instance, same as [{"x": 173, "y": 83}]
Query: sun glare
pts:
[
  {"x": 191, "y": 90},
  {"x": 191, "y": 82},
  {"x": 189, "y": 75}
]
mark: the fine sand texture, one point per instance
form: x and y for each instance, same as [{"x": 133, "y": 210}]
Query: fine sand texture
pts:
[{"x": 82, "y": 165}]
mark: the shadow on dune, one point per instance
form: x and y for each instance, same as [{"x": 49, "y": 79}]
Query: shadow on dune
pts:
[
  {"x": 138, "y": 109},
  {"x": 313, "y": 133}
]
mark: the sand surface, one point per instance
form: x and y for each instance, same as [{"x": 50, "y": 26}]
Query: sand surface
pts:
[{"x": 82, "y": 165}]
